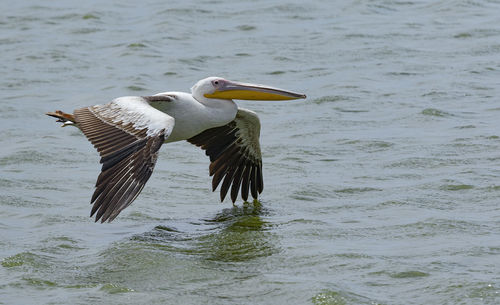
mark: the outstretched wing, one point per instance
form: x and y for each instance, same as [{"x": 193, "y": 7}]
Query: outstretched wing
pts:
[
  {"x": 127, "y": 133},
  {"x": 235, "y": 155}
]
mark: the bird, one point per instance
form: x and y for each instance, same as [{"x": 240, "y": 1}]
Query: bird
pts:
[{"x": 129, "y": 131}]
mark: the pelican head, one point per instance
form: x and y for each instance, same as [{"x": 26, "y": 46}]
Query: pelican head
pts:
[{"x": 220, "y": 88}]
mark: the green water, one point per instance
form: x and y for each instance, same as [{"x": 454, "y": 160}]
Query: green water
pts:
[{"x": 381, "y": 188}]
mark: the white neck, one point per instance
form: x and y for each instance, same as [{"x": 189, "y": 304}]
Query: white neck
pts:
[
  {"x": 196, "y": 114},
  {"x": 220, "y": 112}
]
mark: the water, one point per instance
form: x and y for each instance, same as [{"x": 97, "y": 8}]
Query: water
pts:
[{"x": 381, "y": 188}]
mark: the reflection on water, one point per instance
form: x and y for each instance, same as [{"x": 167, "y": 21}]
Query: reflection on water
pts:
[
  {"x": 166, "y": 258},
  {"x": 235, "y": 234},
  {"x": 241, "y": 235},
  {"x": 163, "y": 258}
]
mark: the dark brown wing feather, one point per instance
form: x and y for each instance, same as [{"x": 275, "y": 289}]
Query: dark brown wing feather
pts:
[
  {"x": 235, "y": 157},
  {"x": 128, "y": 156}
]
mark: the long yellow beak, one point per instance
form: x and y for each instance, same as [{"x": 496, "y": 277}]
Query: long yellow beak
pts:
[{"x": 242, "y": 91}]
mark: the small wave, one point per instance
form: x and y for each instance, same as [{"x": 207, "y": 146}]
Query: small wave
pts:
[
  {"x": 457, "y": 187},
  {"x": 331, "y": 99},
  {"x": 409, "y": 274},
  {"x": 89, "y": 16},
  {"x": 114, "y": 288},
  {"x": 27, "y": 156},
  {"x": 330, "y": 297},
  {"x": 245, "y": 27},
  {"x": 135, "y": 88},
  {"x": 136, "y": 45},
  {"x": 355, "y": 190},
  {"x": 435, "y": 112}
]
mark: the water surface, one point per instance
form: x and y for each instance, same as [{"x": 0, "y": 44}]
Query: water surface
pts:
[{"x": 381, "y": 188}]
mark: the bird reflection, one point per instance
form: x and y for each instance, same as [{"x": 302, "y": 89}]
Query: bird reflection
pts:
[
  {"x": 234, "y": 235},
  {"x": 241, "y": 235}
]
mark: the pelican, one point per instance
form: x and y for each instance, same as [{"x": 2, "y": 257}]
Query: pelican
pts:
[{"x": 128, "y": 132}]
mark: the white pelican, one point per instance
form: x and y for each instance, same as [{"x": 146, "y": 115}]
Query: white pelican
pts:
[{"x": 128, "y": 132}]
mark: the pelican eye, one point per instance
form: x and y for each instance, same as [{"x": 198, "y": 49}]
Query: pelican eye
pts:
[{"x": 217, "y": 82}]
